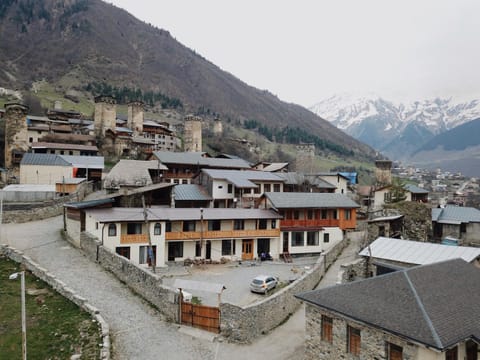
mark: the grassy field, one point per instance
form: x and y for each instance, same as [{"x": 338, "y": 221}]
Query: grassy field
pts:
[{"x": 56, "y": 327}]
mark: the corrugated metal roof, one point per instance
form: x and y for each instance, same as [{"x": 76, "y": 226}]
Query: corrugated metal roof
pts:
[
  {"x": 44, "y": 159},
  {"x": 455, "y": 215},
  {"x": 386, "y": 218},
  {"x": 196, "y": 158},
  {"x": 91, "y": 162},
  {"x": 174, "y": 214},
  {"x": 418, "y": 253},
  {"x": 275, "y": 167},
  {"x": 63, "y": 146},
  {"x": 289, "y": 200},
  {"x": 292, "y": 178},
  {"x": 415, "y": 189},
  {"x": 190, "y": 192},
  {"x": 242, "y": 178}
]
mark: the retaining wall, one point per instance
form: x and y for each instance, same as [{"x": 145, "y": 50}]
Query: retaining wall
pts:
[
  {"x": 142, "y": 281},
  {"x": 244, "y": 324},
  {"x": 63, "y": 290}
]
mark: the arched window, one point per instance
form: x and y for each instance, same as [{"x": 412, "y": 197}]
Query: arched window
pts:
[
  {"x": 112, "y": 230},
  {"x": 157, "y": 230}
]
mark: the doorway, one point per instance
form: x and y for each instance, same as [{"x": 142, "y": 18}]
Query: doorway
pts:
[
  {"x": 247, "y": 249},
  {"x": 208, "y": 252}
]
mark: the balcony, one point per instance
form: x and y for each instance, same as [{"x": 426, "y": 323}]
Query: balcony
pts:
[
  {"x": 133, "y": 238},
  {"x": 309, "y": 223},
  {"x": 225, "y": 234}
]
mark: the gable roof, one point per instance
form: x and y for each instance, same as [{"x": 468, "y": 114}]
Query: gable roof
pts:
[
  {"x": 242, "y": 178},
  {"x": 421, "y": 303},
  {"x": 415, "y": 189},
  {"x": 132, "y": 173},
  {"x": 455, "y": 215},
  {"x": 62, "y": 146},
  {"x": 275, "y": 167},
  {"x": 287, "y": 200},
  {"x": 416, "y": 252},
  {"x": 190, "y": 192},
  {"x": 79, "y": 161},
  {"x": 44, "y": 159},
  {"x": 197, "y": 158}
]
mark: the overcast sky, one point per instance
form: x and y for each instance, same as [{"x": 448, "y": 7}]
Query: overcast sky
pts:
[{"x": 304, "y": 51}]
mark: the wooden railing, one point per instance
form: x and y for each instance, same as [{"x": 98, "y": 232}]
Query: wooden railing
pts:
[
  {"x": 133, "y": 238},
  {"x": 225, "y": 234},
  {"x": 309, "y": 223}
]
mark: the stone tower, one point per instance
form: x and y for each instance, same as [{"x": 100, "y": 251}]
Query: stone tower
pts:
[
  {"x": 193, "y": 133},
  {"x": 383, "y": 172},
  {"x": 16, "y": 137},
  {"x": 217, "y": 127},
  {"x": 135, "y": 117},
  {"x": 105, "y": 114},
  {"x": 304, "y": 158}
]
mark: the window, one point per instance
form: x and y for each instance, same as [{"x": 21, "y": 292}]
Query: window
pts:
[
  {"x": 327, "y": 327},
  {"x": 298, "y": 238},
  {"x": 267, "y": 188},
  {"x": 168, "y": 226},
  {"x": 326, "y": 237},
  {"x": 452, "y": 354},
  {"x": 134, "y": 228},
  {"x": 112, "y": 230},
  {"x": 157, "y": 230},
  {"x": 230, "y": 188},
  {"x": 312, "y": 238},
  {"x": 310, "y": 214},
  {"x": 144, "y": 257},
  {"x": 262, "y": 224},
  {"x": 324, "y": 214},
  {"x": 257, "y": 189},
  {"x": 220, "y": 186},
  {"x": 96, "y": 226},
  {"x": 276, "y": 187},
  {"x": 123, "y": 251},
  {"x": 353, "y": 340},
  {"x": 334, "y": 214},
  {"x": 394, "y": 352},
  {"x": 198, "y": 249},
  {"x": 463, "y": 228},
  {"x": 238, "y": 224},
  {"x": 296, "y": 214},
  {"x": 263, "y": 246},
  {"x": 387, "y": 197},
  {"x": 214, "y": 225},
  {"x": 175, "y": 250},
  {"x": 348, "y": 214},
  {"x": 227, "y": 247},
  {"x": 189, "y": 226},
  {"x": 274, "y": 224}
]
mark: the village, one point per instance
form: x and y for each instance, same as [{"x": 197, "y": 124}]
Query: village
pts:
[{"x": 166, "y": 210}]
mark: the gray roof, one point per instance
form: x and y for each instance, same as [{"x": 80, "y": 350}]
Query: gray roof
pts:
[
  {"x": 415, "y": 189},
  {"x": 287, "y": 200},
  {"x": 294, "y": 178},
  {"x": 190, "y": 192},
  {"x": 132, "y": 173},
  {"x": 275, "y": 166},
  {"x": 91, "y": 162},
  {"x": 418, "y": 253},
  {"x": 437, "y": 305},
  {"x": 29, "y": 188},
  {"x": 88, "y": 203},
  {"x": 243, "y": 178},
  {"x": 71, "y": 181},
  {"x": 196, "y": 158},
  {"x": 175, "y": 214},
  {"x": 385, "y": 218},
  {"x": 455, "y": 215},
  {"x": 44, "y": 159}
]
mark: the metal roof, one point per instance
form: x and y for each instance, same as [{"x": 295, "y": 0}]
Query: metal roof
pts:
[
  {"x": 415, "y": 189},
  {"x": 418, "y": 253},
  {"x": 71, "y": 181},
  {"x": 79, "y": 161},
  {"x": 44, "y": 159},
  {"x": 455, "y": 215},
  {"x": 275, "y": 167},
  {"x": 386, "y": 218},
  {"x": 89, "y": 203},
  {"x": 287, "y": 200},
  {"x": 243, "y": 178},
  {"x": 63, "y": 146},
  {"x": 196, "y": 158},
  {"x": 175, "y": 214},
  {"x": 190, "y": 192},
  {"x": 29, "y": 188}
]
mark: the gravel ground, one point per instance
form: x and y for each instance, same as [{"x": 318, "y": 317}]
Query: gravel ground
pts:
[{"x": 137, "y": 330}]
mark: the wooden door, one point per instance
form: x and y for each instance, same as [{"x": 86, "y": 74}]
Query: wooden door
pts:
[
  {"x": 247, "y": 249},
  {"x": 201, "y": 316}
]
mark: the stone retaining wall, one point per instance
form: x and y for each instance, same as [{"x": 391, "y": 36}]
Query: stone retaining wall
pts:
[
  {"x": 63, "y": 290},
  {"x": 143, "y": 282},
  {"x": 244, "y": 324}
]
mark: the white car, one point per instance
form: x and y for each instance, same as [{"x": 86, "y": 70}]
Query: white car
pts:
[{"x": 263, "y": 284}]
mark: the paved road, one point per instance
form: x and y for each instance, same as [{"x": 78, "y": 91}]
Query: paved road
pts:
[{"x": 137, "y": 330}]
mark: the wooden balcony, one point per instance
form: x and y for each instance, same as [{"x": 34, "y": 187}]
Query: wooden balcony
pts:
[
  {"x": 225, "y": 234},
  {"x": 133, "y": 239},
  {"x": 309, "y": 223}
]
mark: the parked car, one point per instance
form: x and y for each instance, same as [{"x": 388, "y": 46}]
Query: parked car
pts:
[{"x": 263, "y": 284}]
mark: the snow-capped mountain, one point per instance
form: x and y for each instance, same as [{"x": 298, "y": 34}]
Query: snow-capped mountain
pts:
[{"x": 395, "y": 129}]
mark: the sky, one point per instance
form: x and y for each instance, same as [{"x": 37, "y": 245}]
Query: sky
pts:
[{"x": 308, "y": 50}]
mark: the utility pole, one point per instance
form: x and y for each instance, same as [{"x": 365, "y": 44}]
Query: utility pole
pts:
[{"x": 150, "y": 248}]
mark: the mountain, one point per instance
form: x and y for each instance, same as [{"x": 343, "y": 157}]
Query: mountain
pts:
[
  {"x": 456, "y": 150},
  {"x": 71, "y": 43},
  {"x": 395, "y": 129}
]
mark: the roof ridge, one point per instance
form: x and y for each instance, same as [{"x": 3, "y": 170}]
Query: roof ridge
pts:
[{"x": 436, "y": 338}]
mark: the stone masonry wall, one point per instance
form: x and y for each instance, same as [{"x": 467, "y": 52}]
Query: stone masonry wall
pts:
[
  {"x": 141, "y": 281},
  {"x": 354, "y": 270},
  {"x": 373, "y": 342},
  {"x": 63, "y": 290},
  {"x": 244, "y": 324}
]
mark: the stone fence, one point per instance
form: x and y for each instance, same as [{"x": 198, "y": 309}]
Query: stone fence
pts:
[
  {"x": 63, "y": 290},
  {"x": 244, "y": 324},
  {"x": 140, "y": 280}
]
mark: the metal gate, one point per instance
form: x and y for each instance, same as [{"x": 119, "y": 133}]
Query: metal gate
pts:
[{"x": 201, "y": 316}]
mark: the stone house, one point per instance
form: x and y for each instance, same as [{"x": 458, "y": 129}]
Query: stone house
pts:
[
  {"x": 311, "y": 222},
  {"x": 397, "y": 316},
  {"x": 298, "y": 182},
  {"x": 129, "y": 174},
  {"x": 462, "y": 223},
  {"x": 178, "y": 234},
  {"x": 382, "y": 195}
]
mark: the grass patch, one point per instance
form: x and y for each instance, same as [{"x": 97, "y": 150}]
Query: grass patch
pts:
[{"x": 56, "y": 327}]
